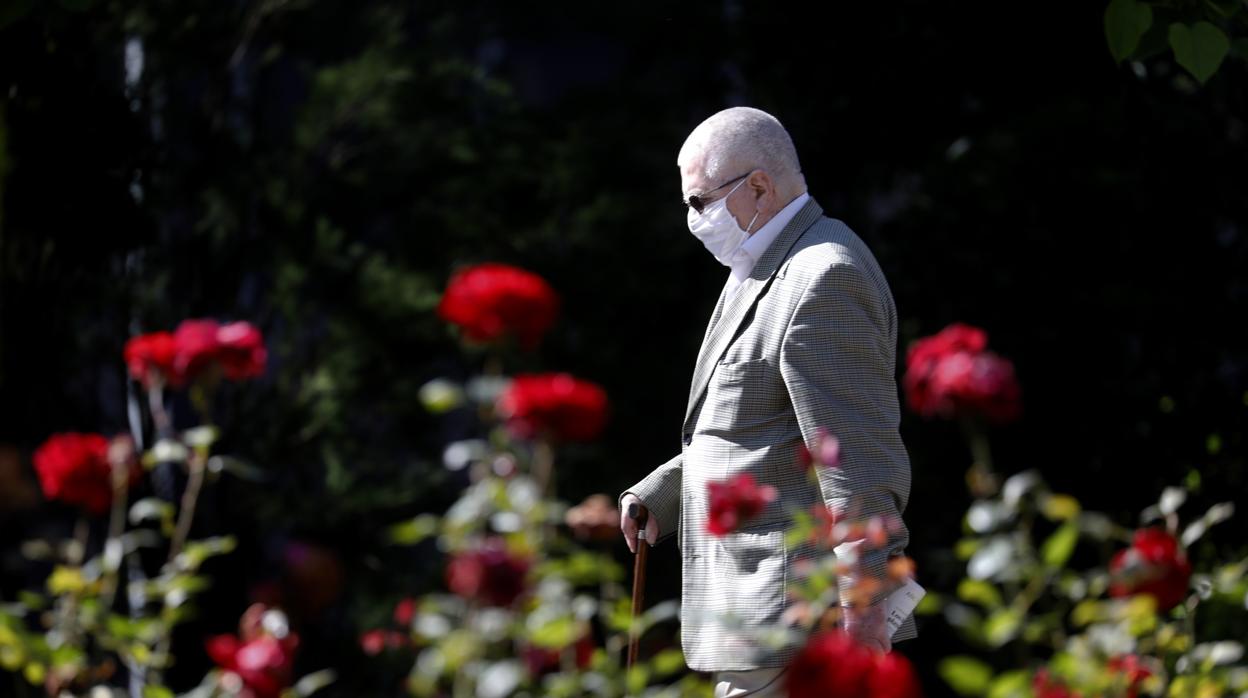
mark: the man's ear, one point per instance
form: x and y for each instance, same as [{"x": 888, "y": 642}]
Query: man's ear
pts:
[{"x": 762, "y": 185}]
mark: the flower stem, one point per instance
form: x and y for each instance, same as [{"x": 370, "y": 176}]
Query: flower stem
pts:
[{"x": 190, "y": 496}]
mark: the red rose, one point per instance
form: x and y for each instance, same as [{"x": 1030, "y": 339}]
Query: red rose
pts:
[
  {"x": 893, "y": 677},
  {"x": 735, "y": 501},
  {"x": 490, "y": 574},
  {"x": 75, "y": 468},
  {"x": 543, "y": 660},
  {"x": 1153, "y": 564},
  {"x": 951, "y": 373},
  {"x": 834, "y": 664},
  {"x": 404, "y": 611},
  {"x": 196, "y": 346},
  {"x": 261, "y": 660},
  {"x": 489, "y": 301},
  {"x": 150, "y": 358},
  {"x": 826, "y": 453},
  {"x": 241, "y": 351},
  {"x": 1044, "y": 686},
  {"x": 374, "y": 642},
  {"x": 1134, "y": 671},
  {"x": 554, "y": 405}
]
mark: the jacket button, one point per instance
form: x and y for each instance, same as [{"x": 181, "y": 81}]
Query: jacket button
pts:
[{"x": 688, "y": 438}]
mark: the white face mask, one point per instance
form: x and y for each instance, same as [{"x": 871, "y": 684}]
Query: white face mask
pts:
[{"x": 718, "y": 229}]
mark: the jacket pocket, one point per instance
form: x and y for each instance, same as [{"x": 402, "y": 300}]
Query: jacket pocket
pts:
[{"x": 752, "y": 575}]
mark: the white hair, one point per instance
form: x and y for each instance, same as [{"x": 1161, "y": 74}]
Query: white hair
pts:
[{"x": 736, "y": 140}]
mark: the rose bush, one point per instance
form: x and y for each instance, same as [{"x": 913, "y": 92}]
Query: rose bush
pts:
[
  {"x": 79, "y": 634},
  {"x": 1123, "y": 626}
]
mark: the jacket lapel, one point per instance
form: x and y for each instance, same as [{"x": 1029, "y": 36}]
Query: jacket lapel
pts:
[{"x": 735, "y": 309}]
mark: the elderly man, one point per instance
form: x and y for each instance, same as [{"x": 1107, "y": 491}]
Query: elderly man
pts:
[{"x": 803, "y": 337}]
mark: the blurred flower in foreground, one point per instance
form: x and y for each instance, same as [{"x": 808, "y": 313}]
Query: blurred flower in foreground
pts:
[
  {"x": 834, "y": 664},
  {"x": 1043, "y": 685},
  {"x": 194, "y": 348},
  {"x": 1132, "y": 669},
  {"x": 952, "y": 373},
  {"x": 544, "y": 660},
  {"x": 826, "y": 453},
  {"x": 490, "y": 574},
  {"x": 1154, "y": 564},
  {"x": 75, "y": 468},
  {"x": 490, "y": 301},
  {"x": 258, "y": 663},
  {"x": 735, "y": 501},
  {"x": 554, "y": 405},
  {"x": 596, "y": 518}
]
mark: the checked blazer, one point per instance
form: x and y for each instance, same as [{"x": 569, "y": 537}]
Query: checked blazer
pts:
[{"x": 807, "y": 341}]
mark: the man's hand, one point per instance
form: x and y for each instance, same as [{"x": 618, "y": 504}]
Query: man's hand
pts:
[
  {"x": 867, "y": 626},
  {"x": 629, "y": 526}
]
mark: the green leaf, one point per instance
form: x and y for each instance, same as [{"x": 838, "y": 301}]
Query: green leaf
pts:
[
  {"x": 1125, "y": 22},
  {"x": 978, "y": 591},
  {"x": 668, "y": 662},
  {"x": 1059, "y": 507},
  {"x": 929, "y": 604},
  {"x": 1199, "y": 48},
  {"x": 1011, "y": 684},
  {"x": 636, "y": 679},
  {"x": 157, "y": 692},
  {"x": 313, "y": 682},
  {"x": 558, "y": 632},
  {"x": 966, "y": 547},
  {"x": 1057, "y": 549},
  {"x": 967, "y": 675},
  {"x": 1002, "y": 626},
  {"x": 197, "y": 551},
  {"x": 414, "y": 531}
]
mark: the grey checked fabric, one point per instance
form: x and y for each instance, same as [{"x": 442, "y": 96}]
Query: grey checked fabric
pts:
[{"x": 807, "y": 341}]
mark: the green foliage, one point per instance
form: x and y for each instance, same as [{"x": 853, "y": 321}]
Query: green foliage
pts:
[
  {"x": 967, "y": 675},
  {"x": 1125, "y": 22},
  {"x": 1196, "y": 35},
  {"x": 1199, "y": 48},
  {"x": 1026, "y": 600}
]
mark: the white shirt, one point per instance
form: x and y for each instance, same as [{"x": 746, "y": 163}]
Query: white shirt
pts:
[{"x": 746, "y": 256}]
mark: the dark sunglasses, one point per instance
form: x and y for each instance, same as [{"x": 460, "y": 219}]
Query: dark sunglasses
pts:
[{"x": 698, "y": 202}]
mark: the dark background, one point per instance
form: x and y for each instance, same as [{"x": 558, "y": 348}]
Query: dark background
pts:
[{"x": 321, "y": 167}]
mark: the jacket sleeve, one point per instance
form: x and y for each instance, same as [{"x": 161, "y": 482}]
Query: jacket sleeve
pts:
[
  {"x": 660, "y": 492},
  {"x": 837, "y": 362}
]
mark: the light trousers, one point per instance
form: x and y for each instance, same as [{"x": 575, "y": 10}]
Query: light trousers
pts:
[{"x": 756, "y": 683}]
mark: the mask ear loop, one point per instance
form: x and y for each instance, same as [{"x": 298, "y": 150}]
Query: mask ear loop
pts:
[{"x": 751, "y": 225}]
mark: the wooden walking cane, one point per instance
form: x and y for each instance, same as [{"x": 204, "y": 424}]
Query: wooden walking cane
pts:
[{"x": 639, "y": 514}]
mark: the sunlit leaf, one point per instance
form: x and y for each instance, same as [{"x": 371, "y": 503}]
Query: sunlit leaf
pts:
[
  {"x": 1058, "y": 547},
  {"x": 66, "y": 580},
  {"x": 413, "y": 531},
  {"x": 1171, "y": 499},
  {"x": 667, "y": 662},
  {"x": 1011, "y": 684},
  {"x": 979, "y": 592},
  {"x": 966, "y": 675},
  {"x": 1001, "y": 626},
  {"x": 1060, "y": 507},
  {"x": 1215, "y": 515},
  {"x": 314, "y": 682}
]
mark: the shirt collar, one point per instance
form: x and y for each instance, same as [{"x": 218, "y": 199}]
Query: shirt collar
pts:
[{"x": 747, "y": 255}]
